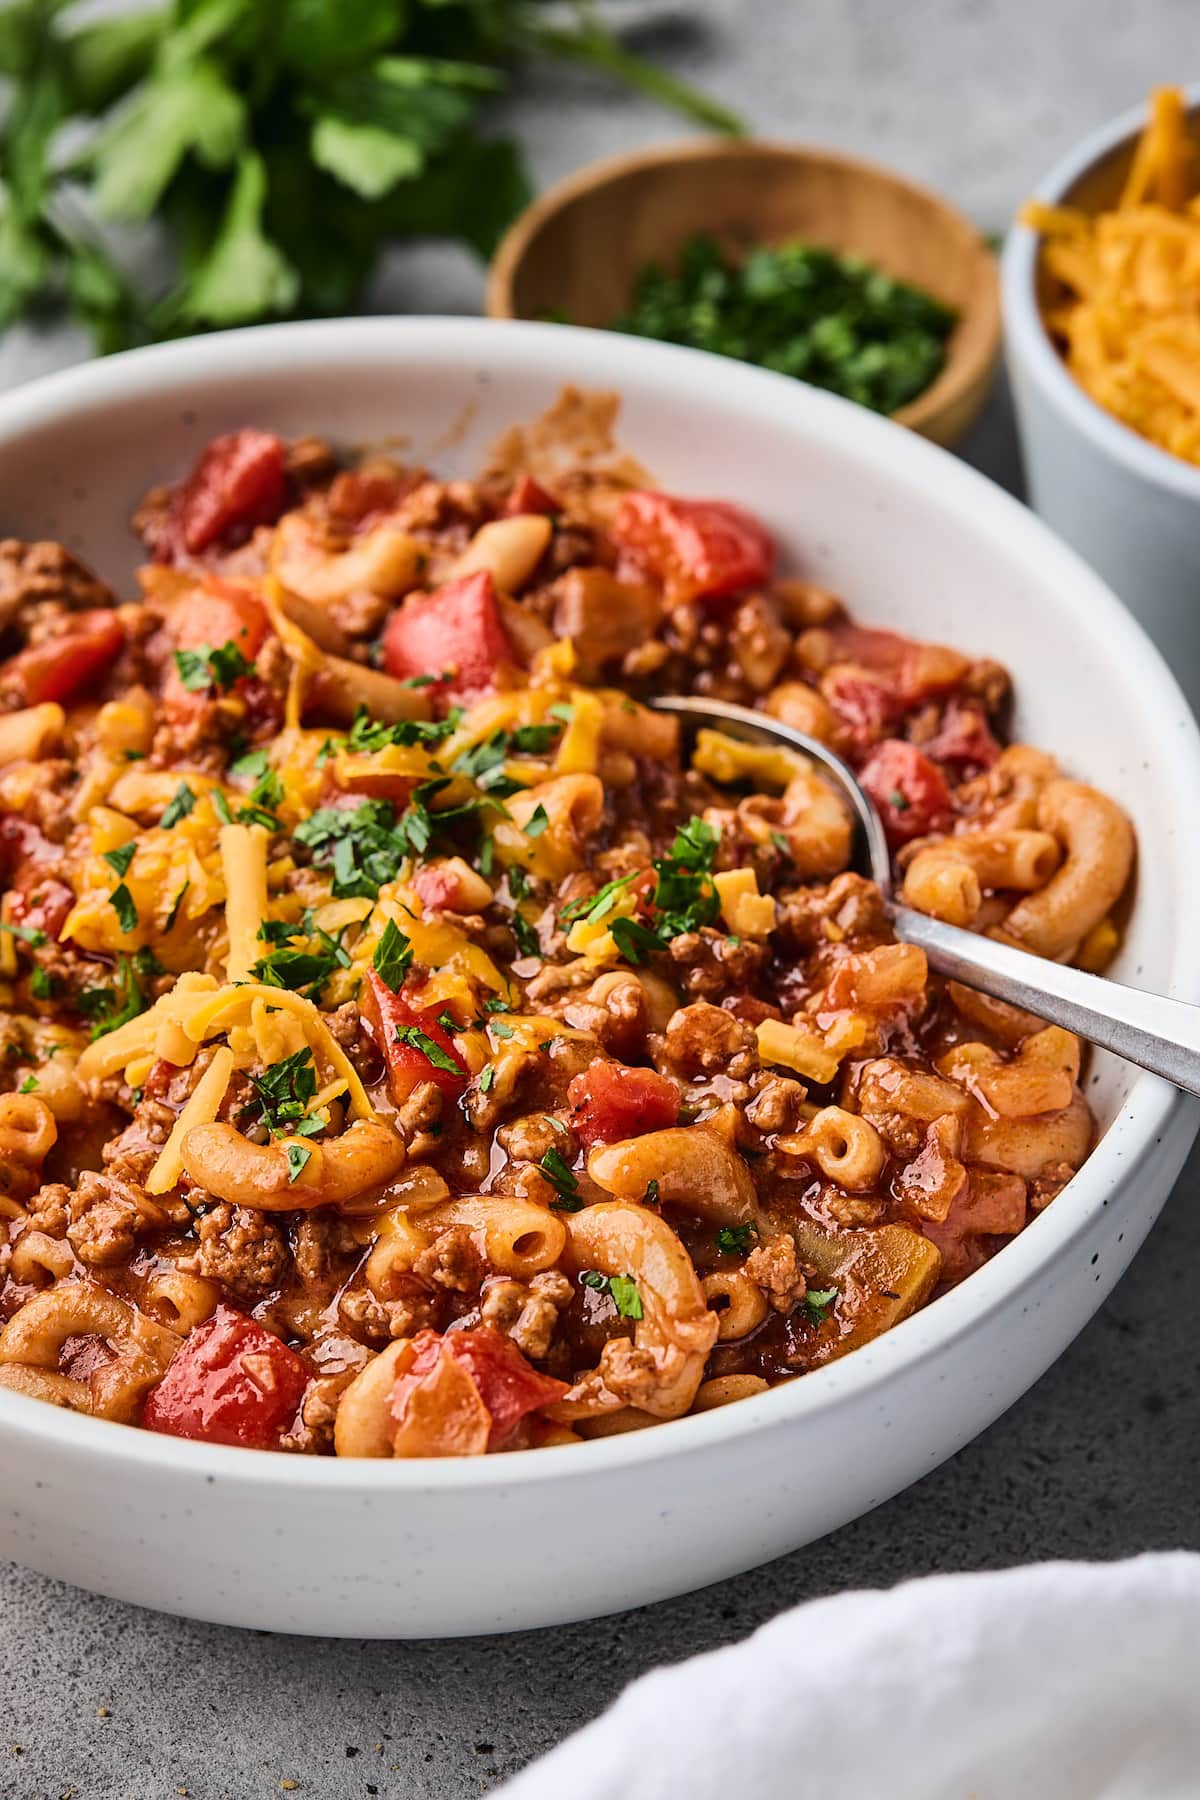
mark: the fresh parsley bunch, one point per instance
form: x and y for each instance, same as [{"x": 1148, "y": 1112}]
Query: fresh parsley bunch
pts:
[{"x": 282, "y": 143}]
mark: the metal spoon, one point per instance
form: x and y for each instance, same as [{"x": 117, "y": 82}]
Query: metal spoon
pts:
[{"x": 1148, "y": 1029}]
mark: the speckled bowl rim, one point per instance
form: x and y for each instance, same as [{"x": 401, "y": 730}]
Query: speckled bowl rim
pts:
[
  {"x": 996, "y": 520},
  {"x": 1031, "y": 343}
]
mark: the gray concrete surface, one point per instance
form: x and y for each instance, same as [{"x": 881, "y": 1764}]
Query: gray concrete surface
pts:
[{"x": 100, "y": 1701}]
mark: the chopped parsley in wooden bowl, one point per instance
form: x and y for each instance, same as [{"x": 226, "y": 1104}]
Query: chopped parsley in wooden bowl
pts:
[
  {"x": 830, "y": 269},
  {"x": 835, "y": 321}
]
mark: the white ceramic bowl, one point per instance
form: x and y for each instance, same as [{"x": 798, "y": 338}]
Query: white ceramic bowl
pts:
[
  {"x": 913, "y": 539},
  {"x": 1131, "y": 509}
]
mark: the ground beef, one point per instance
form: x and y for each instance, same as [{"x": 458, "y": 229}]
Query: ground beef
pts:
[
  {"x": 702, "y": 1039},
  {"x": 529, "y": 1138},
  {"x": 320, "y": 1241},
  {"x": 774, "y": 1268},
  {"x": 34, "y": 572},
  {"x": 527, "y": 1313},
  {"x": 243, "y": 1250},
  {"x": 452, "y": 1261},
  {"x": 106, "y": 1216}
]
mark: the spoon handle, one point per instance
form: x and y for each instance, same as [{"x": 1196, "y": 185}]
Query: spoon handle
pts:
[{"x": 1148, "y": 1029}]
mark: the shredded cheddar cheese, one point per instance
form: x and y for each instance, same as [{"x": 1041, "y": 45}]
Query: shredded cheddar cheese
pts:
[
  {"x": 1127, "y": 306},
  {"x": 202, "y": 1106},
  {"x": 244, "y": 862}
]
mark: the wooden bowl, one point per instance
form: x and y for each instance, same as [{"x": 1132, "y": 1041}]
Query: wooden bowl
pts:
[{"x": 578, "y": 249}]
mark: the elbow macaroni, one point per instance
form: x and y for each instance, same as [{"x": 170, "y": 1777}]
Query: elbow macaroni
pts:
[{"x": 405, "y": 1030}]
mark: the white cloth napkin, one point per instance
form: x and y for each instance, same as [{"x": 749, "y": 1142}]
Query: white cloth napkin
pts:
[{"x": 1063, "y": 1681}]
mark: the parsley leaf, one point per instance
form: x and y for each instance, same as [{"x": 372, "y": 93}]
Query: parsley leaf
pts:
[
  {"x": 28, "y": 934},
  {"x": 623, "y": 1290},
  {"x": 179, "y": 806},
  {"x": 285, "y": 1092},
  {"x": 393, "y": 956},
  {"x": 433, "y": 1053},
  {"x": 109, "y": 1008},
  {"x": 119, "y": 860},
  {"x": 297, "y": 1159},
  {"x": 122, "y": 903},
  {"x": 176, "y": 903},
  {"x": 539, "y": 818},
  {"x": 203, "y": 669},
  {"x": 817, "y": 1303},
  {"x": 734, "y": 1240},
  {"x": 487, "y": 1078},
  {"x": 29, "y": 1085},
  {"x": 562, "y": 1179},
  {"x": 41, "y": 984}
]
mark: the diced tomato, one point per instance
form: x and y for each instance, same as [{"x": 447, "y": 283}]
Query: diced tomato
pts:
[
  {"x": 528, "y": 496},
  {"x": 233, "y": 1382},
  {"x": 611, "y": 1101},
  {"x": 218, "y": 612},
  {"x": 456, "y": 631},
  {"x": 508, "y": 1385},
  {"x": 60, "y": 667},
  {"x": 37, "y": 901},
  {"x": 240, "y": 481},
  {"x": 407, "y": 1063},
  {"x": 909, "y": 791},
  {"x": 993, "y": 1204},
  {"x": 438, "y": 888},
  {"x": 964, "y": 739},
  {"x": 865, "y": 707},
  {"x": 913, "y": 671},
  {"x": 698, "y": 549},
  {"x": 212, "y": 614},
  {"x": 357, "y": 494}
]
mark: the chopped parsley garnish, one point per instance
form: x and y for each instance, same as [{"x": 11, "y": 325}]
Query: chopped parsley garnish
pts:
[
  {"x": 178, "y": 806},
  {"x": 527, "y": 938},
  {"x": 28, "y": 934},
  {"x": 122, "y": 903},
  {"x": 221, "y": 806},
  {"x": 147, "y": 964},
  {"x": 487, "y": 856},
  {"x": 683, "y": 900},
  {"x": 518, "y": 882},
  {"x": 364, "y": 845},
  {"x": 203, "y": 669},
  {"x": 287, "y": 966},
  {"x": 257, "y": 815},
  {"x": 251, "y": 766},
  {"x": 562, "y": 1180},
  {"x": 297, "y": 1160},
  {"x": 781, "y": 843},
  {"x": 650, "y": 1197},
  {"x": 393, "y": 956},
  {"x": 734, "y": 1240},
  {"x": 487, "y": 1078},
  {"x": 535, "y": 740},
  {"x": 294, "y": 969},
  {"x": 899, "y": 802},
  {"x": 29, "y": 1085},
  {"x": 622, "y": 1288},
  {"x": 109, "y": 1008},
  {"x": 176, "y": 903},
  {"x": 366, "y": 735},
  {"x": 41, "y": 984},
  {"x": 501, "y": 1029},
  {"x": 832, "y": 320},
  {"x": 484, "y": 764},
  {"x": 416, "y": 1039},
  {"x": 119, "y": 860},
  {"x": 817, "y": 1303},
  {"x": 539, "y": 818},
  {"x": 285, "y": 1093}
]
